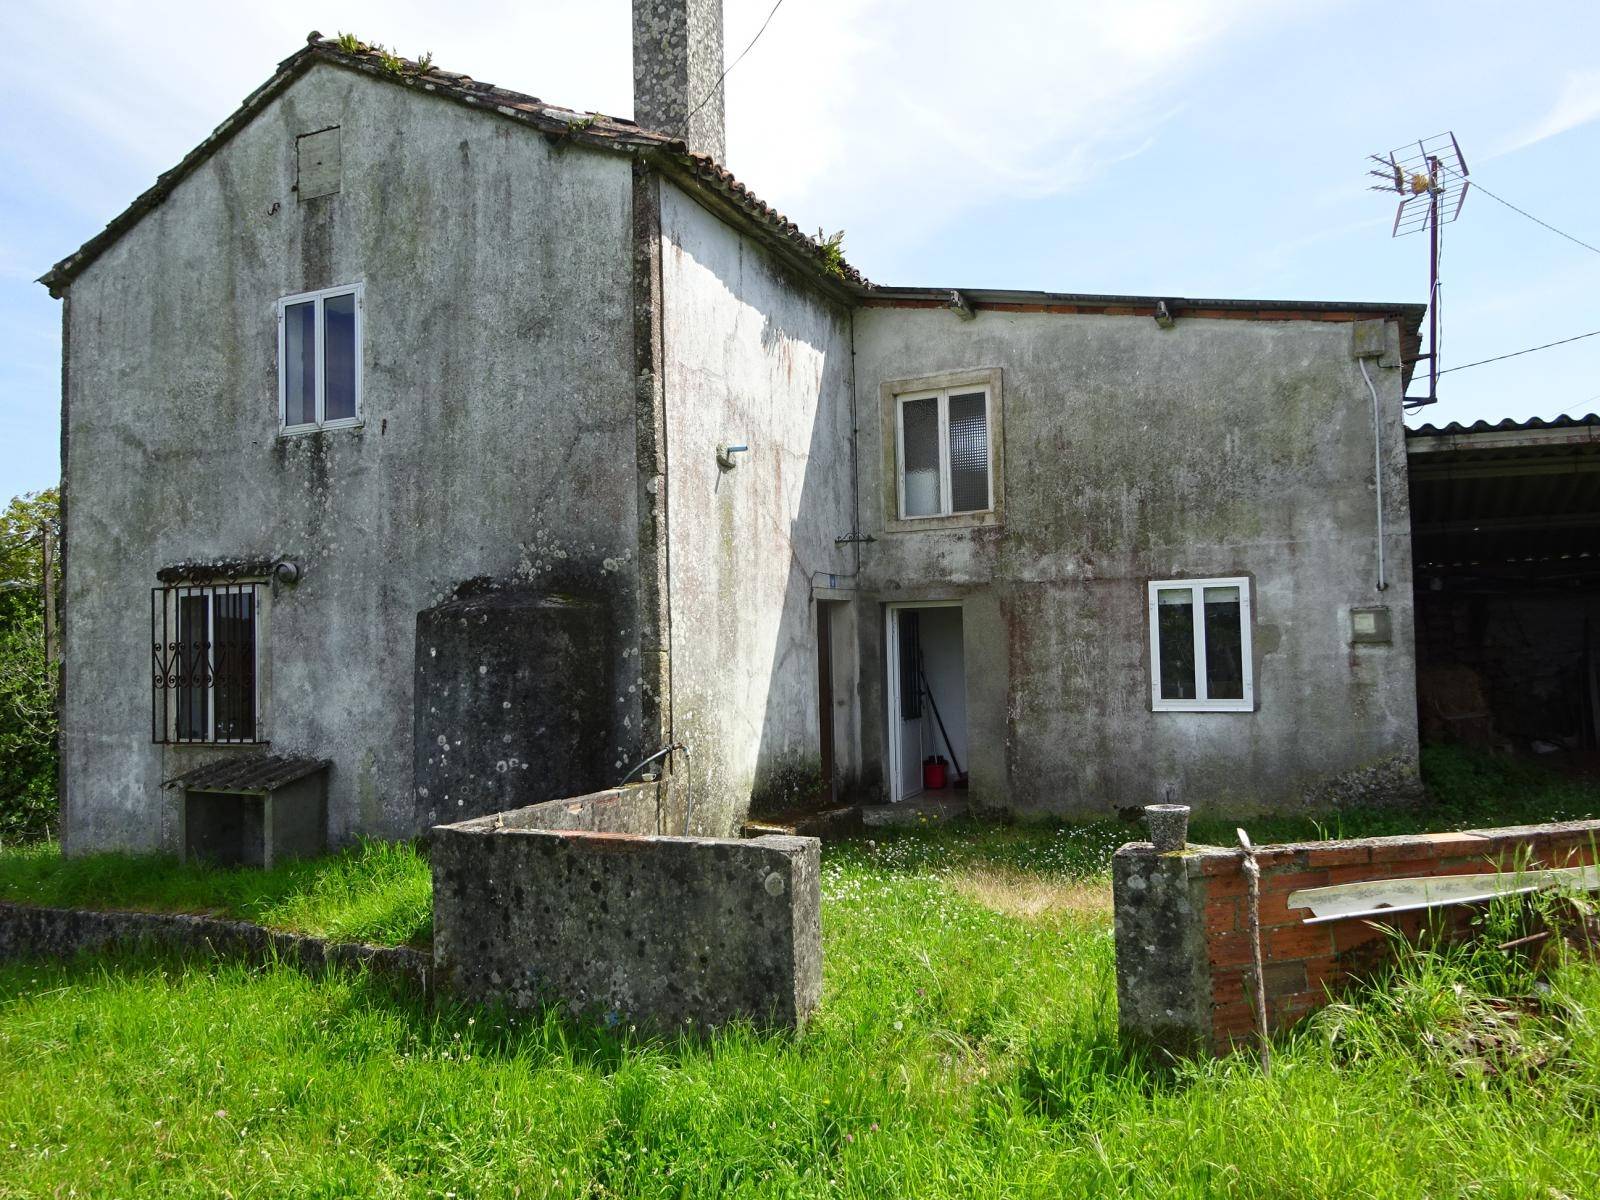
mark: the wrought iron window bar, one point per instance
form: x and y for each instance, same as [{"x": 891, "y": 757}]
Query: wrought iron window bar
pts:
[{"x": 204, "y": 647}]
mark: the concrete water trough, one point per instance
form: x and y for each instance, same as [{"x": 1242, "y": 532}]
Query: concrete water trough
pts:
[{"x": 582, "y": 903}]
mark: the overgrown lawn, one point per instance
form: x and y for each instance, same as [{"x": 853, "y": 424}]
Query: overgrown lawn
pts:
[
  {"x": 378, "y": 892},
  {"x": 966, "y": 1047}
]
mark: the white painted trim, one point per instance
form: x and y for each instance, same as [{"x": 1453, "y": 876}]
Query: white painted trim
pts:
[
  {"x": 1196, "y": 589},
  {"x": 319, "y": 324},
  {"x": 891, "y": 689}
]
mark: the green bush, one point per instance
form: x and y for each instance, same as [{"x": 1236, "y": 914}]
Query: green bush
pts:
[{"x": 27, "y": 692}]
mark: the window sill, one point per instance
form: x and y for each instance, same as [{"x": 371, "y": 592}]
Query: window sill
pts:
[
  {"x": 967, "y": 520},
  {"x": 1198, "y": 706},
  {"x": 291, "y": 431},
  {"x": 214, "y": 745}
]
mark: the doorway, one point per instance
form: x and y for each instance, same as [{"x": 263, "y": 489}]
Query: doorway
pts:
[{"x": 927, "y": 691}]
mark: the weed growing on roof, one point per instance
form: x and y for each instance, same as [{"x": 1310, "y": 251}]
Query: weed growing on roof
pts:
[{"x": 831, "y": 248}]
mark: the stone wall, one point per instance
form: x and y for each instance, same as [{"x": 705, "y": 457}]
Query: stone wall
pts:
[
  {"x": 627, "y": 927},
  {"x": 1184, "y": 956},
  {"x": 28, "y": 931},
  {"x": 513, "y": 702}
]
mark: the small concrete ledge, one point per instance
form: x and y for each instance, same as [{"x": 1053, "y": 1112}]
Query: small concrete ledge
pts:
[
  {"x": 626, "y": 927},
  {"x": 29, "y": 931}
]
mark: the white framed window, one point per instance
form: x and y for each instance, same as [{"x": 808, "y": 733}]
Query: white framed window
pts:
[
  {"x": 319, "y": 359},
  {"x": 944, "y": 459},
  {"x": 1200, "y": 645}
]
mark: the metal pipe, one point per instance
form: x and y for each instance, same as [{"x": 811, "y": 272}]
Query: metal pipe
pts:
[
  {"x": 1377, "y": 465},
  {"x": 661, "y": 753},
  {"x": 688, "y": 787}
]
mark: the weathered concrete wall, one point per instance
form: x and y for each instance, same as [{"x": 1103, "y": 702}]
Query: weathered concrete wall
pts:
[
  {"x": 498, "y": 438},
  {"x": 634, "y": 808},
  {"x": 751, "y": 357},
  {"x": 1133, "y": 453},
  {"x": 513, "y": 700},
  {"x": 1185, "y": 959},
  {"x": 655, "y": 931}
]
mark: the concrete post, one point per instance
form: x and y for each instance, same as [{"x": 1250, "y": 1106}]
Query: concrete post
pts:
[{"x": 1163, "y": 970}]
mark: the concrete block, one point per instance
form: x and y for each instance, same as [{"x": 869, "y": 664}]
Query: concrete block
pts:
[
  {"x": 655, "y": 931},
  {"x": 511, "y": 702}
]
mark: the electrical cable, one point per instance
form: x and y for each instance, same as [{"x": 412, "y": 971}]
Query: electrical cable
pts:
[
  {"x": 1568, "y": 410},
  {"x": 706, "y": 99},
  {"x": 1517, "y": 353},
  {"x": 1524, "y": 212}
]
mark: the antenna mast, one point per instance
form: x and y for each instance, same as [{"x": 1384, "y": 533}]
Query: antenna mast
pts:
[{"x": 1430, "y": 177}]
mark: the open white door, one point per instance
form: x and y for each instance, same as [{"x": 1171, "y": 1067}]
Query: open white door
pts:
[{"x": 926, "y": 690}]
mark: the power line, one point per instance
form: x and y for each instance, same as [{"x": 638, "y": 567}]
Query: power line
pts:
[
  {"x": 1567, "y": 411},
  {"x": 1516, "y": 353},
  {"x": 1476, "y": 186},
  {"x": 706, "y": 99}
]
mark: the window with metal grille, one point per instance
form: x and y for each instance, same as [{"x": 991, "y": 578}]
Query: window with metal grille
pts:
[
  {"x": 204, "y": 663},
  {"x": 944, "y": 453}
]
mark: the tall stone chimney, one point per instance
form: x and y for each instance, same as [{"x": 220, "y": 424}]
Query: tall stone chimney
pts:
[{"x": 677, "y": 71}]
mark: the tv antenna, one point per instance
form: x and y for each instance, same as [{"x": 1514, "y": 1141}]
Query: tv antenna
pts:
[{"x": 1430, "y": 177}]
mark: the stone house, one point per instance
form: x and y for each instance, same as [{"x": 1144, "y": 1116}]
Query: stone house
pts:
[{"x": 462, "y": 450}]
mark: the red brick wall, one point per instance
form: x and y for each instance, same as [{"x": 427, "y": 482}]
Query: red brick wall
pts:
[{"x": 1304, "y": 962}]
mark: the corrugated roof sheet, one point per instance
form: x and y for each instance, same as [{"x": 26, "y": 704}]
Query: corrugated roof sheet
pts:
[
  {"x": 1506, "y": 426},
  {"x": 1521, "y": 495},
  {"x": 253, "y": 773}
]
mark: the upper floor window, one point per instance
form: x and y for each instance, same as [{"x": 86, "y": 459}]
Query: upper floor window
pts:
[
  {"x": 944, "y": 453},
  {"x": 1200, "y": 645},
  {"x": 319, "y": 359},
  {"x": 205, "y": 667}
]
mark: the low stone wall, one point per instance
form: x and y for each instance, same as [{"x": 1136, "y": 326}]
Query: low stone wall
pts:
[
  {"x": 1184, "y": 956},
  {"x": 623, "y": 925},
  {"x": 27, "y": 931}
]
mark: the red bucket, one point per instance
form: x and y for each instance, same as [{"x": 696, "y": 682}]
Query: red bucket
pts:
[{"x": 934, "y": 773}]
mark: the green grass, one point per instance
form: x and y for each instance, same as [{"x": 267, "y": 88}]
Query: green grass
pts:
[
  {"x": 377, "y": 892},
  {"x": 960, "y": 1051}
]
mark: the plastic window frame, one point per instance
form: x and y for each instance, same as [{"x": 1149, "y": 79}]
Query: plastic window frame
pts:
[
  {"x": 317, "y": 298},
  {"x": 1200, "y": 702},
  {"x": 942, "y": 395}
]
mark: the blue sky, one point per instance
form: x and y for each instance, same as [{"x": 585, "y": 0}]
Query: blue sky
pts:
[{"x": 1199, "y": 148}]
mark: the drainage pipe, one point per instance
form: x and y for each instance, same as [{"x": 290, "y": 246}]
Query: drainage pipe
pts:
[{"x": 1377, "y": 465}]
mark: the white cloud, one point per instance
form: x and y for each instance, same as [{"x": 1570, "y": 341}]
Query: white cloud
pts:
[
  {"x": 896, "y": 116},
  {"x": 1577, "y": 104}
]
